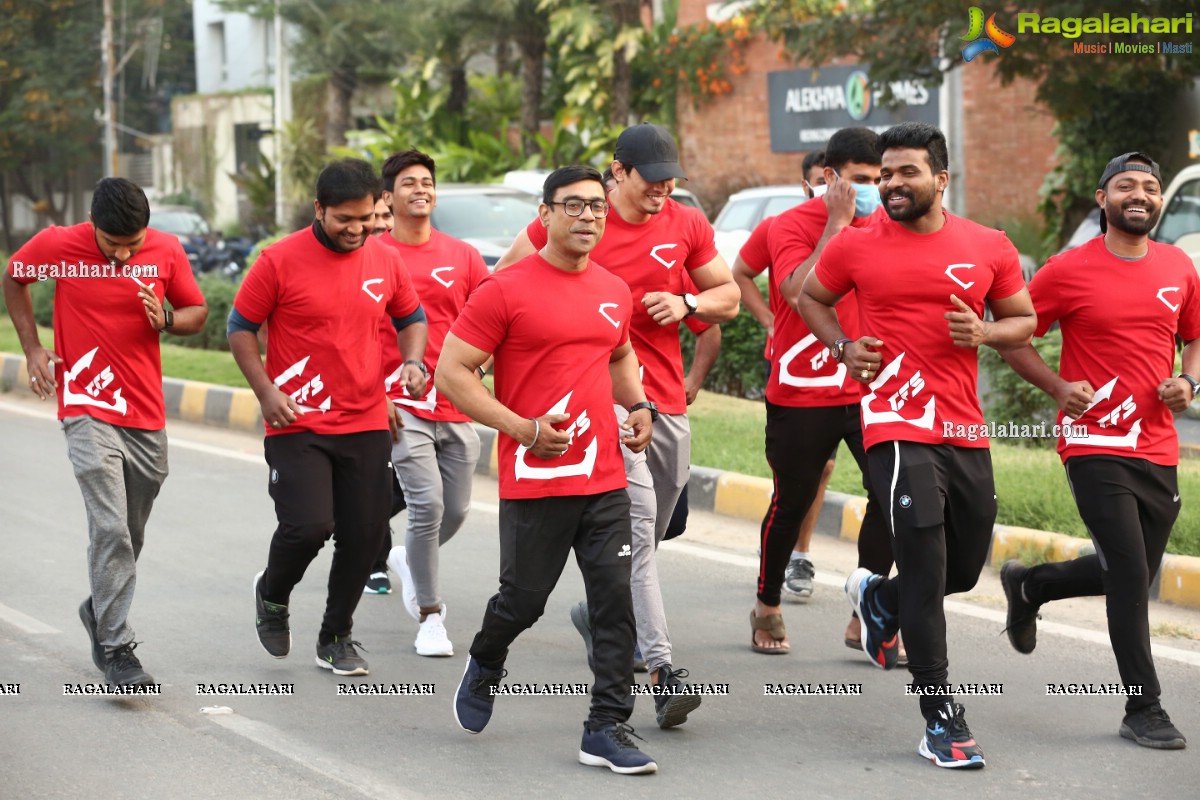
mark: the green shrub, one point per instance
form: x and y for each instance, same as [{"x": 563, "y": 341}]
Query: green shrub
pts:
[
  {"x": 42, "y": 295},
  {"x": 1010, "y": 398},
  {"x": 219, "y": 293}
]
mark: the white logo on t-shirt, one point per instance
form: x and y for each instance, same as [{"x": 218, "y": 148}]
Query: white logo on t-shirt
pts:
[
  {"x": 950, "y": 274},
  {"x": 378, "y": 298},
  {"x": 787, "y": 378},
  {"x": 309, "y": 389},
  {"x": 579, "y": 427},
  {"x": 434, "y": 275},
  {"x": 654, "y": 254},
  {"x": 1167, "y": 303},
  {"x": 898, "y": 399},
  {"x": 91, "y": 392},
  {"x": 1117, "y": 415},
  {"x": 428, "y": 403},
  {"x": 603, "y": 313}
]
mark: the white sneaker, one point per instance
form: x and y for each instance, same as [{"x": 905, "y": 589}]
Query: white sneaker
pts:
[
  {"x": 398, "y": 561},
  {"x": 431, "y": 637}
]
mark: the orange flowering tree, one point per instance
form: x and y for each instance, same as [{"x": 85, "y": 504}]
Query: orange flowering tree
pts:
[{"x": 696, "y": 59}]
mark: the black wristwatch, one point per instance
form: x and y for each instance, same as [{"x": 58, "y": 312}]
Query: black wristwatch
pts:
[
  {"x": 646, "y": 404},
  {"x": 1192, "y": 382},
  {"x": 691, "y": 302},
  {"x": 420, "y": 365},
  {"x": 168, "y": 320},
  {"x": 838, "y": 348}
]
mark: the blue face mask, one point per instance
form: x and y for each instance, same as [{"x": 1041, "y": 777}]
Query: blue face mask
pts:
[{"x": 866, "y": 198}]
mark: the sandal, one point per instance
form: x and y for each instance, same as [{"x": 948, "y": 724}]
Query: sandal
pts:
[{"x": 772, "y": 624}]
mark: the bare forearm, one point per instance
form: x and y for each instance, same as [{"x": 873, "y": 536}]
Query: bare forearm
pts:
[
  {"x": 821, "y": 319},
  {"x": 627, "y": 387},
  {"x": 1010, "y": 332},
  {"x": 20, "y": 311},
  {"x": 243, "y": 345},
  {"x": 708, "y": 347},
  {"x": 752, "y": 299},
  {"x": 189, "y": 320},
  {"x": 459, "y": 383},
  {"x": 1028, "y": 363},
  {"x": 1191, "y": 358},
  {"x": 412, "y": 340},
  {"x": 718, "y": 304}
]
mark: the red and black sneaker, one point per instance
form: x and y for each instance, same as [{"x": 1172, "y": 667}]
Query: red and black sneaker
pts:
[{"x": 948, "y": 741}]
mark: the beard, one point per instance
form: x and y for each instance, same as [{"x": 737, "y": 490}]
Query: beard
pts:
[
  {"x": 1135, "y": 227},
  {"x": 918, "y": 205}
]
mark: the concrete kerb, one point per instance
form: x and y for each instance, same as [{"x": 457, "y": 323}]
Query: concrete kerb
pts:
[{"x": 718, "y": 491}]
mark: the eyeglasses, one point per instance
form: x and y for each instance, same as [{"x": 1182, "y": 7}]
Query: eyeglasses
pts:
[{"x": 574, "y": 207}]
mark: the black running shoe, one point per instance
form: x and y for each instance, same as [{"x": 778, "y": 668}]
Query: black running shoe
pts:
[
  {"x": 948, "y": 741},
  {"x": 341, "y": 656},
  {"x": 879, "y": 637},
  {"x": 378, "y": 583},
  {"x": 87, "y": 615},
  {"x": 271, "y": 620},
  {"x": 1151, "y": 727},
  {"x": 672, "y": 703},
  {"x": 473, "y": 702},
  {"x": 1022, "y": 614},
  {"x": 610, "y": 746},
  {"x": 122, "y": 668}
]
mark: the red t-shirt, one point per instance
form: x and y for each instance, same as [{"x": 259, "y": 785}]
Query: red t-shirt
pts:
[
  {"x": 323, "y": 311},
  {"x": 927, "y": 386},
  {"x": 1119, "y": 320},
  {"x": 444, "y": 272},
  {"x": 803, "y": 373},
  {"x": 553, "y": 334},
  {"x": 111, "y": 365},
  {"x": 756, "y": 255},
  {"x": 652, "y": 257}
]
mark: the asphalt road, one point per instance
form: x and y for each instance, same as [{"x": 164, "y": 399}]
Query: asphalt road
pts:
[{"x": 209, "y": 534}]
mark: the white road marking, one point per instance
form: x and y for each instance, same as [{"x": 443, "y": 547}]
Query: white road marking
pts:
[
  {"x": 23, "y": 622},
  {"x": 360, "y": 782}
]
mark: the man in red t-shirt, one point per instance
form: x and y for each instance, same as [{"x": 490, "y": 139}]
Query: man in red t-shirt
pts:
[
  {"x": 1120, "y": 299},
  {"x": 323, "y": 291},
  {"x": 438, "y": 447},
  {"x": 812, "y": 402},
  {"x": 650, "y": 241},
  {"x": 919, "y": 274},
  {"x": 112, "y": 276},
  {"x": 558, "y": 326}
]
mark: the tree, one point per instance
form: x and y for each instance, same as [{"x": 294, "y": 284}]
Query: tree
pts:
[{"x": 1100, "y": 103}]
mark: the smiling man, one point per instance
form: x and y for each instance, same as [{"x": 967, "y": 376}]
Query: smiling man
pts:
[
  {"x": 323, "y": 292},
  {"x": 649, "y": 242},
  {"x": 559, "y": 327},
  {"x": 922, "y": 277},
  {"x": 1121, "y": 299},
  {"x": 107, "y": 373}
]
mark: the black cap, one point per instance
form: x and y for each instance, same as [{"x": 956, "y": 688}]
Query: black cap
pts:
[
  {"x": 1124, "y": 163},
  {"x": 650, "y": 149}
]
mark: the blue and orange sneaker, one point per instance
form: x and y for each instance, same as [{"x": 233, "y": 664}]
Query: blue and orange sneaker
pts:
[
  {"x": 948, "y": 741},
  {"x": 879, "y": 630}
]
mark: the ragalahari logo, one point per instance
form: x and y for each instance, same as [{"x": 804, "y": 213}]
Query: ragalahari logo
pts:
[{"x": 995, "y": 38}]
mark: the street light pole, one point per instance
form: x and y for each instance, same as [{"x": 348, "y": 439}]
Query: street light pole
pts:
[
  {"x": 283, "y": 96},
  {"x": 108, "y": 71}
]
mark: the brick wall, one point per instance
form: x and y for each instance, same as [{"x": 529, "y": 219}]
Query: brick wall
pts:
[{"x": 726, "y": 143}]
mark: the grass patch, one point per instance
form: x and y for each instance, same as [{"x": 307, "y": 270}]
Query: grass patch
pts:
[
  {"x": 727, "y": 433},
  {"x": 1173, "y": 630}
]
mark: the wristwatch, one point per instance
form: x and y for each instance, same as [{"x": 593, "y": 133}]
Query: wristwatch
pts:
[
  {"x": 838, "y": 348},
  {"x": 1192, "y": 382},
  {"x": 691, "y": 302},
  {"x": 168, "y": 320},
  {"x": 646, "y": 404},
  {"x": 420, "y": 365}
]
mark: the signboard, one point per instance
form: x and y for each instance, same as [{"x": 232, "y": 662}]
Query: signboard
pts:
[{"x": 806, "y": 106}]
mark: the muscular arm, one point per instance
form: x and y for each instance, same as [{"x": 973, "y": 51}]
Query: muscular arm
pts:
[
  {"x": 459, "y": 383},
  {"x": 627, "y": 390},
  {"x": 1072, "y": 397},
  {"x": 839, "y": 202},
  {"x": 520, "y": 248},
  {"x": 1013, "y": 323}
]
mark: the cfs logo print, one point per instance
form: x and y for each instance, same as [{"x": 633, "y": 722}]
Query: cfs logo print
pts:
[{"x": 995, "y": 38}]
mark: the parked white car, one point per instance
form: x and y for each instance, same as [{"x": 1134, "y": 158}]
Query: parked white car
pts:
[
  {"x": 746, "y": 209},
  {"x": 1180, "y": 221}
]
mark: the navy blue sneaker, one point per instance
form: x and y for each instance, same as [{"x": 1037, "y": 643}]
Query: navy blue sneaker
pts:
[
  {"x": 474, "y": 699},
  {"x": 948, "y": 741},
  {"x": 87, "y": 615},
  {"x": 879, "y": 639},
  {"x": 610, "y": 746}
]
